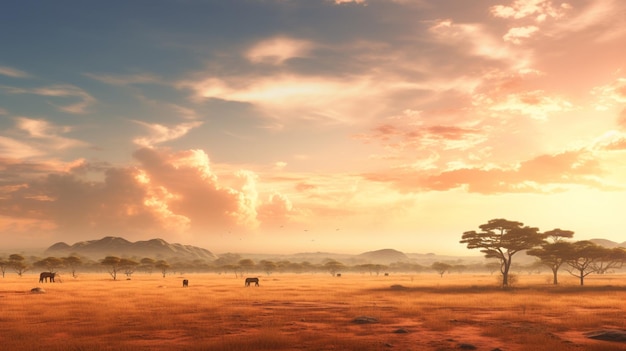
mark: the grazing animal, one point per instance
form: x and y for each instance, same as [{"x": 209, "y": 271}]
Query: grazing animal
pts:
[
  {"x": 44, "y": 276},
  {"x": 185, "y": 283},
  {"x": 252, "y": 280},
  {"x": 338, "y": 275},
  {"x": 386, "y": 274}
]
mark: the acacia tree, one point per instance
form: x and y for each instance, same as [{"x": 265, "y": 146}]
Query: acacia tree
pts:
[
  {"x": 113, "y": 265},
  {"x": 49, "y": 263},
  {"x": 554, "y": 252},
  {"x": 441, "y": 268},
  {"x": 583, "y": 257},
  {"x": 163, "y": 266},
  {"x": 3, "y": 266},
  {"x": 147, "y": 264},
  {"x": 128, "y": 266},
  {"x": 333, "y": 266},
  {"x": 501, "y": 239},
  {"x": 17, "y": 262},
  {"x": 246, "y": 265},
  {"x": 268, "y": 266},
  {"x": 612, "y": 259},
  {"x": 73, "y": 262}
]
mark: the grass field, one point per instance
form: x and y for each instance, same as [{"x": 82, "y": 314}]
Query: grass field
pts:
[{"x": 310, "y": 312}]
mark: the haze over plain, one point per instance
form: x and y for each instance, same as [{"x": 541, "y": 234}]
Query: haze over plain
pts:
[{"x": 287, "y": 126}]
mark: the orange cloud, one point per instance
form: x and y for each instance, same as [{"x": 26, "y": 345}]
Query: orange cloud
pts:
[
  {"x": 546, "y": 173},
  {"x": 173, "y": 192},
  {"x": 277, "y": 50}
]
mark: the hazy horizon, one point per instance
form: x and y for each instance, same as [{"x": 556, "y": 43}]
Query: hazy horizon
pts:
[{"x": 302, "y": 126}]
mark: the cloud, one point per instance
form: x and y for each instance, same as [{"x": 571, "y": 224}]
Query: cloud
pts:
[
  {"x": 515, "y": 35},
  {"x": 173, "y": 192},
  {"x": 63, "y": 92},
  {"x": 12, "y": 148},
  {"x": 278, "y": 49},
  {"x": 159, "y": 133},
  {"x": 298, "y": 97},
  {"x": 339, "y": 2},
  {"x": 539, "y": 10},
  {"x": 122, "y": 80},
  {"x": 535, "y": 104},
  {"x": 48, "y": 133},
  {"x": 610, "y": 94},
  {"x": 542, "y": 174},
  {"x": 13, "y": 72},
  {"x": 35, "y": 138}
]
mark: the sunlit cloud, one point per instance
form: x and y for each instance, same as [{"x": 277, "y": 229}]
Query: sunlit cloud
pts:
[
  {"x": 349, "y": 1},
  {"x": 63, "y": 92},
  {"x": 13, "y": 148},
  {"x": 479, "y": 42},
  {"x": 539, "y": 10},
  {"x": 48, "y": 133},
  {"x": 325, "y": 100},
  {"x": 277, "y": 50},
  {"x": 543, "y": 174},
  {"x": 159, "y": 133},
  {"x": 13, "y": 72},
  {"x": 515, "y": 35},
  {"x": 610, "y": 95},
  {"x": 112, "y": 79},
  {"x": 534, "y": 104}
]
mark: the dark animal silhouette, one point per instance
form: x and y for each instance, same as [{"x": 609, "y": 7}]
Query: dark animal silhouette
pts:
[
  {"x": 44, "y": 276},
  {"x": 252, "y": 280},
  {"x": 185, "y": 283},
  {"x": 338, "y": 275}
]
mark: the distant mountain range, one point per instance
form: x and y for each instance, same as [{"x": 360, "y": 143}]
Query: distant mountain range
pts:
[
  {"x": 116, "y": 246},
  {"x": 608, "y": 243},
  {"x": 161, "y": 249}
]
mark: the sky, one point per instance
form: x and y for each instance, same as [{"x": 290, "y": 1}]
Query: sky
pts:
[{"x": 284, "y": 126}]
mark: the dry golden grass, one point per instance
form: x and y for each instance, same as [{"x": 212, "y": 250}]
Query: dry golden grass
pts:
[{"x": 309, "y": 312}]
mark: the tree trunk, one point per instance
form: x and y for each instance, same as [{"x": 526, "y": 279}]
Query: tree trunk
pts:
[
  {"x": 582, "y": 279},
  {"x": 505, "y": 272},
  {"x": 555, "y": 280}
]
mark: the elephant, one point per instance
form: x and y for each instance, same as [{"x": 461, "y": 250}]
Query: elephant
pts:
[
  {"x": 252, "y": 280},
  {"x": 43, "y": 277}
]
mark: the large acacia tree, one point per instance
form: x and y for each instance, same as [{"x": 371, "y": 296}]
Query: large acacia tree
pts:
[
  {"x": 553, "y": 253},
  {"x": 501, "y": 239}
]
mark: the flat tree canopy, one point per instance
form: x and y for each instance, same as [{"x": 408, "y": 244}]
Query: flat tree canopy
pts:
[{"x": 501, "y": 239}]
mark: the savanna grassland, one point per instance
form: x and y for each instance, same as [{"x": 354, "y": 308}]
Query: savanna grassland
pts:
[{"x": 310, "y": 312}]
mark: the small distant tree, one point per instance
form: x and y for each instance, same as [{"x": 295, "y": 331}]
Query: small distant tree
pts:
[
  {"x": 501, "y": 239},
  {"x": 582, "y": 258},
  {"x": 18, "y": 264},
  {"x": 458, "y": 268},
  {"x": 553, "y": 250},
  {"x": 128, "y": 266},
  {"x": 246, "y": 265},
  {"x": 49, "y": 263},
  {"x": 441, "y": 268},
  {"x": 4, "y": 264},
  {"x": 612, "y": 259},
  {"x": 163, "y": 266},
  {"x": 73, "y": 262},
  {"x": 333, "y": 267},
  {"x": 268, "y": 266},
  {"x": 112, "y": 263},
  {"x": 147, "y": 264},
  {"x": 493, "y": 266}
]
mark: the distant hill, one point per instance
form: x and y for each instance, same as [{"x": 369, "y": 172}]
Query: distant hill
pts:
[
  {"x": 608, "y": 243},
  {"x": 116, "y": 246},
  {"x": 384, "y": 256}
]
